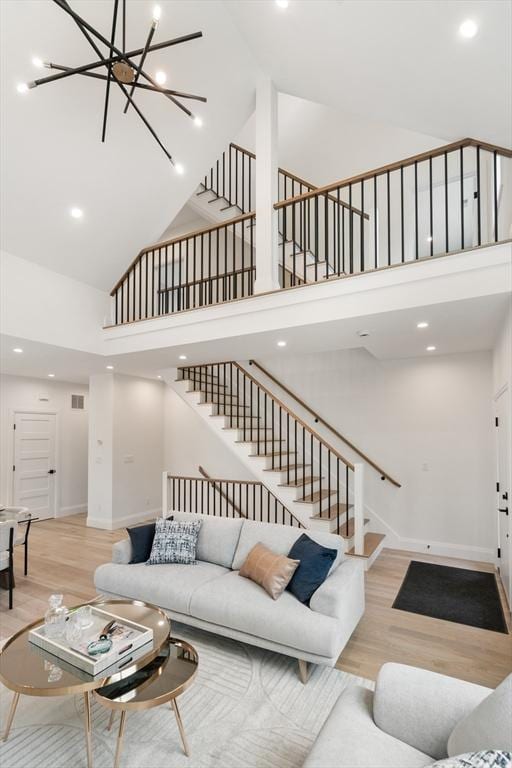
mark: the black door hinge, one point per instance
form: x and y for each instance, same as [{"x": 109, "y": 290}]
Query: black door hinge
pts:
[
  {"x": 14, "y": 426},
  {"x": 496, "y": 423},
  {"x": 497, "y": 487},
  {"x": 499, "y": 551},
  {"x": 13, "y": 468}
]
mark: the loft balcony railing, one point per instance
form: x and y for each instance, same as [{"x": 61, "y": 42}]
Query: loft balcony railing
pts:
[{"x": 450, "y": 199}]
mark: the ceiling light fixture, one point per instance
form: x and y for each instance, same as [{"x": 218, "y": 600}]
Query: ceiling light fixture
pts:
[
  {"x": 37, "y": 62},
  {"x": 282, "y": 3},
  {"x": 429, "y": 239},
  {"x": 179, "y": 168},
  {"x": 51, "y": 375},
  {"x": 281, "y": 343},
  {"x": 76, "y": 213},
  {"x": 468, "y": 29},
  {"x": 160, "y": 77},
  {"x": 109, "y": 367},
  {"x": 159, "y": 377},
  {"x": 431, "y": 348},
  {"x": 182, "y": 357},
  {"x": 198, "y": 121},
  {"x": 18, "y": 350},
  {"x": 120, "y": 67},
  {"x": 423, "y": 324}
]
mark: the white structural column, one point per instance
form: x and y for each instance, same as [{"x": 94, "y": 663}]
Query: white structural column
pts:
[{"x": 266, "y": 187}]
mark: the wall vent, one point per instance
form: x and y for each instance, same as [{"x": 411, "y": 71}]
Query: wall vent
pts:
[{"x": 77, "y": 402}]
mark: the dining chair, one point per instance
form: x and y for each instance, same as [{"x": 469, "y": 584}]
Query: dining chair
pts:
[{"x": 8, "y": 533}]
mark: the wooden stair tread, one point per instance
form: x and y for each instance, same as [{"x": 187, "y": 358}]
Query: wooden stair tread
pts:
[
  {"x": 312, "y": 498},
  {"x": 234, "y": 415},
  {"x": 248, "y": 441},
  {"x": 272, "y": 453},
  {"x": 342, "y": 529},
  {"x": 284, "y": 468},
  {"x": 371, "y": 542},
  {"x": 332, "y": 512},
  {"x": 299, "y": 481}
]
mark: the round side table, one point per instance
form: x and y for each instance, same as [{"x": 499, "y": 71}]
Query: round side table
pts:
[{"x": 159, "y": 682}]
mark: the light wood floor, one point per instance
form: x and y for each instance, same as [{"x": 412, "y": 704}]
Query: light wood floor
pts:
[{"x": 64, "y": 554}]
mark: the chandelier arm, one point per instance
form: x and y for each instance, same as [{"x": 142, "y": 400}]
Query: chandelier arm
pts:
[
  {"x": 112, "y": 60},
  {"x": 82, "y": 23},
  {"x": 142, "y": 86},
  {"x": 142, "y": 60},
  {"x": 83, "y": 29},
  {"x": 109, "y": 78}
]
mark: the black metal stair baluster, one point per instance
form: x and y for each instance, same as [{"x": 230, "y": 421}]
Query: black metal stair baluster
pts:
[
  {"x": 461, "y": 197},
  {"x": 337, "y": 495},
  {"x": 315, "y": 255},
  {"x": 172, "y": 277},
  {"x": 146, "y": 285},
  {"x": 388, "y": 196},
  {"x": 139, "y": 265},
  {"x": 361, "y": 244},
  {"x": 350, "y": 230},
  {"x": 320, "y": 476},
  {"x": 402, "y": 230},
  {"x": 447, "y": 241},
  {"x": 478, "y": 197},
  {"x": 272, "y": 426},
  {"x": 416, "y": 233},
  {"x": 346, "y": 502},
  {"x": 495, "y": 190},
  {"x": 431, "y": 207},
  {"x": 153, "y": 283},
  {"x": 328, "y": 482},
  {"x": 326, "y": 233},
  {"x": 209, "y": 283},
  {"x": 224, "y": 175}
]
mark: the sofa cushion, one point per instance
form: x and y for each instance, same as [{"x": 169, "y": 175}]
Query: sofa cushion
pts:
[
  {"x": 488, "y": 726},
  {"x": 168, "y": 586},
  {"x": 280, "y": 538},
  {"x": 233, "y": 601},
  {"x": 315, "y": 563},
  {"x": 272, "y": 572},
  {"x": 487, "y": 759},
  {"x": 218, "y": 537},
  {"x": 141, "y": 538},
  {"x": 174, "y": 542},
  {"x": 350, "y": 739}
]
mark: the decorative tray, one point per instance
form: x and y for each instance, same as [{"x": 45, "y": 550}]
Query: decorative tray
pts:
[{"x": 126, "y": 638}]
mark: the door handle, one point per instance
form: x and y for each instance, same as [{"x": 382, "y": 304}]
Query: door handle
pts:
[
  {"x": 504, "y": 510},
  {"x": 52, "y": 471}
]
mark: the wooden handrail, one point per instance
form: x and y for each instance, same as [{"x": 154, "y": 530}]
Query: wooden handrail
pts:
[
  {"x": 180, "y": 239},
  {"x": 461, "y": 143},
  {"x": 219, "y": 276},
  {"x": 205, "y": 474},
  {"x": 383, "y": 474},
  {"x": 294, "y": 416}
]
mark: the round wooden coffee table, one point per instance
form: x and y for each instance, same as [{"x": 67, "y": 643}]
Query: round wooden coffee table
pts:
[
  {"x": 159, "y": 682},
  {"x": 29, "y": 670}
]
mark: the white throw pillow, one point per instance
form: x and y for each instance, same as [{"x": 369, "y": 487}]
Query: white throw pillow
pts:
[
  {"x": 488, "y": 759},
  {"x": 488, "y": 726}
]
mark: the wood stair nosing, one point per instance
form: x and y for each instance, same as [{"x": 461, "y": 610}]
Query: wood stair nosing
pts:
[
  {"x": 284, "y": 468},
  {"x": 199, "y": 377},
  {"x": 267, "y": 455},
  {"x": 332, "y": 512},
  {"x": 313, "y": 498},
  {"x": 255, "y": 441},
  {"x": 239, "y": 418},
  {"x": 371, "y": 542},
  {"x": 341, "y": 530},
  {"x": 299, "y": 482}
]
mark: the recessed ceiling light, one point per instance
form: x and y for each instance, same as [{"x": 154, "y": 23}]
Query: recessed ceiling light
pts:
[
  {"x": 431, "y": 348},
  {"x": 160, "y": 77},
  {"x": 18, "y": 350},
  {"x": 281, "y": 343},
  {"x": 182, "y": 357},
  {"x": 37, "y": 62},
  {"x": 159, "y": 377},
  {"x": 198, "y": 121},
  {"x": 51, "y": 375},
  {"x": 423, "y": 324},
  {"x": 178, "y": 167},
  {"x": 282, "y": 3},
  {"x": 157, "y": 13},
  {"x": 109, "y": 367},
  {"x": 22, "y": 87},
  {"x": 76, "y": 213},
  {"x": 429, "y": 239},
  {"x": 468, "y": 28}
]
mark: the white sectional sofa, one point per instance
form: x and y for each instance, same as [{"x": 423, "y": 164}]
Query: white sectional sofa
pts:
[{"x": 213, "y": 596}]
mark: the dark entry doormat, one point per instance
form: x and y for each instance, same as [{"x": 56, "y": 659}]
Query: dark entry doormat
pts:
[{"x": 452, "y": 594}]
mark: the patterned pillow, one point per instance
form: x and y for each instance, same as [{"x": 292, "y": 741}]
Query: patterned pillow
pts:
[
  {"x": 174, "y": 542},
  {"x": 491, "y": 758}
]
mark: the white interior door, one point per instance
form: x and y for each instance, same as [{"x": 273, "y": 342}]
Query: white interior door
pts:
[
  {"x": 34, "y": 462},
  {"x": 504, "y": 507}
]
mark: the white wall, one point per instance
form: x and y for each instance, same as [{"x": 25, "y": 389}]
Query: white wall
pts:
[
  {"x": 72, "y": 426},
  {"x": 40, "y": 304},
  {"x": 323, "y": 145},
  {"x": 428, "y": 422},
  {"x": 125, "y": 450}
]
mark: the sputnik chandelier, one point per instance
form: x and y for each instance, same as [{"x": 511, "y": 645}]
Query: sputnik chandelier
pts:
[{"x": 121, "y": 69}]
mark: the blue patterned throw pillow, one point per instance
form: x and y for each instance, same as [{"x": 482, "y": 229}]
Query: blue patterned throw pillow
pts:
[
  {"x": 491, "y": 758},
  {"x": 174, "y": 542}
]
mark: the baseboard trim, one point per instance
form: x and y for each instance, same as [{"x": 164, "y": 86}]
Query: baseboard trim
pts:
[
  {"x": 443, "y": 549},
  {"x": 75, "y": 509},
  {"x": 122, "y": 522}
]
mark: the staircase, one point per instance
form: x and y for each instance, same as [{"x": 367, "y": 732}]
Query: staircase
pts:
[{"x": 309, "y": 477}]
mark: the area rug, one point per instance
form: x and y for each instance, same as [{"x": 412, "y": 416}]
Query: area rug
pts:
[
  {"x": 453, "y": 594},
  {"x": 246, "y": 709}
]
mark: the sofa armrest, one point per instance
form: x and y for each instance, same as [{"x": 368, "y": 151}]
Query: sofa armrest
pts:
[
  {"x": 347, "y": 580},
  {"x": 122, "y": 551},
  {"x": 422, "y": 708}
]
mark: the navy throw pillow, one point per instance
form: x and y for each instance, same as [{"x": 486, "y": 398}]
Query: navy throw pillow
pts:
[
  {"x": 141, "y": 537},
  {"x": 315, "y": 563}
]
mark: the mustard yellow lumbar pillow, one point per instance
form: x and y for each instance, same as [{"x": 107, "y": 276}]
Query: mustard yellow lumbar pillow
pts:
[{"x": 270, "y": 571}]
